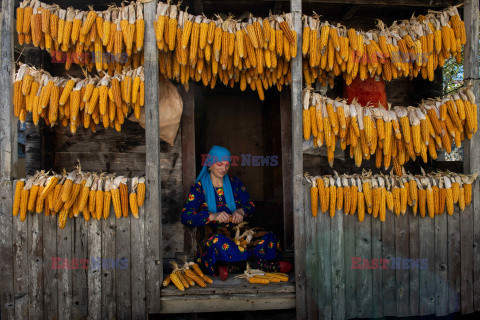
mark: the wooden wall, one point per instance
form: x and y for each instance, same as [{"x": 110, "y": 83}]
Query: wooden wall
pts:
[
  {"x": 124, "y": 153},
  {"x": 34, "y": 289},
  {"x": 336, "y": 291}
]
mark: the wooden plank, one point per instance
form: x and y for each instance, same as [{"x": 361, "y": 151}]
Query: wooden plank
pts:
[
  {"x": 441, "y": 272},
  {"x": 137, "y": 265},
  {"x": 324, "y": 282},
  {"x": 413, "y": 3},
  {"x": 231, "y": 286},
  {"x": 310, "y": 259},
  {"x": 427, "y": 276},
  {"x": 388, "y": 275},
  {"x": 50, "y": 273},
  {"x": 454, "y": 250},
  {"x": 8, "y": 122},
  {"x": 64, "y": 252},
  {"x": 297, "y": 163},
  {"x": 122, "y": 267},
  {"x": 7, "y": 302},
  {"x": 153, "y": 205},
  {"x": 218, "y": 303},
  {"x": 79, "y": 276},
  {"x": 470, "y": 219},
  {"x": 286, "y": 129},
  {"x": 350, "y": 273},
  {"x": 364, "y": 276},
  {"x": 94, "y": 274},
  {"x": 338, "y": 265},
  {"x": 401, "y": 271},
  {"x": 20, "y": 267},
  {"x": 377, "y": 284},
  {"x": 108, "y": 272},
  {"x": 35, "y": 268},
  {"x": 414, "y": 273},
  {"x": 188, "y": 155}
]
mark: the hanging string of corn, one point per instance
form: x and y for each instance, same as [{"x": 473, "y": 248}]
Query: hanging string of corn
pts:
[
  {"x": 407, "y": 48},
  {"x": 70, "y": 194},
  {"x": 255, "y": 52},
  {"x": 105, "y": 40},
  {"x": 427, "y": 194},
  {"x": 77, "y": 102},
  {"x": 392, "y": 136}
]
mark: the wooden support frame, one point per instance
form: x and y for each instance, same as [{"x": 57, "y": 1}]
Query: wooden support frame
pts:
[
  {"x": 8, "y": 161},
  {"x": 153, "y": 201},
  {"x": 470, "y": 220},
  {"x": 297, "y": 164}
]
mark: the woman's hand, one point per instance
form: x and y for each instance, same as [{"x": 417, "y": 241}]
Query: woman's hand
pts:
[
  {"x": 237, "y": 216},
  {"x": 221, "y": 217}
]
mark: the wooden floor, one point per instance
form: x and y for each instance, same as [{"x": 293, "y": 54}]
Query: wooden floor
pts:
[{"x": 230, "y": 295}]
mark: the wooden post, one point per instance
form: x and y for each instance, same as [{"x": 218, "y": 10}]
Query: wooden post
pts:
[
  {"x": 470, "y": 220},
  {"x": 286, "y": 133},
  {"x": 8, "y": 122},
  {"x": 153, "y": 203},
  {"x": 297, "y": 161},
  {"x": 188, "y": 156},
  {"x": 8, "y": 161}
]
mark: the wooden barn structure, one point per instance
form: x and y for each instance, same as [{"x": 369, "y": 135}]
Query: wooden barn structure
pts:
[{"x": 324, "y": 286}]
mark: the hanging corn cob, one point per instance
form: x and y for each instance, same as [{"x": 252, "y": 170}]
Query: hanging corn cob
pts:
[
  {"x": 83, "y": 102},
  {"x": 83, "y": 192},
  {"x": 84, "y": 37},
  {"x": 254, "y": 53},
  {"x": 429, "y": 194},
  {"x": 408, "y": 48},
  {"x": 393, "y": 136}
]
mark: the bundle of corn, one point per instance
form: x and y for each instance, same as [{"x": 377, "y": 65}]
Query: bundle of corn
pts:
[
  {"x": 74, "y": 193},
  {"x": 256, "y": 52},
  {"x": 256, "y": 276},
  {"x": 393, "y": 136},
  {"x": 407, "y": 48},
  {"x": 187, "y": 276},
  {"x": 375, "y": 194},
  {"x": 77, "y": 102},
  {"x": 106, "y": 40}
]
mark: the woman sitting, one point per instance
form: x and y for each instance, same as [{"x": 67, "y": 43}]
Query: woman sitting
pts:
[{"x": 221, "y": 207}]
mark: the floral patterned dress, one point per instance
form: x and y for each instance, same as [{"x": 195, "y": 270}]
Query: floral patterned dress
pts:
[{"x": 215, "y": 239}]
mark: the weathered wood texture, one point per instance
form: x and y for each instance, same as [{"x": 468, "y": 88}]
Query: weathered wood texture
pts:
[
  {"x": 420, "y": 273},
  {"x": 470, "y": 220},
  {"x": 297, "y": 166},
  {"x": 153, "y": 201},
  {"x": 88, "y": 269},
  {"x": 8, "y": 122}
]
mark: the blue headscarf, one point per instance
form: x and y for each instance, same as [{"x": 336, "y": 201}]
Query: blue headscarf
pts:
[{"x": 215, "y": 155}]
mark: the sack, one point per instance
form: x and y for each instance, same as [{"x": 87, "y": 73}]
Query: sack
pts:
[{"x": 170, "y": 108}]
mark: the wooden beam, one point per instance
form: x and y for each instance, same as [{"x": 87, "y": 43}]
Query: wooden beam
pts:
[
  {"x": 386, "y": 3},
  {"x": 8, "y": 161},
  {"x": 8, "y": 122},
  {"x": 188, "y": 154},
  {"x": 287, "y": 177},
  {"x": 297, "y": 167},
  {"x": 153, "y": 201},
  {"x": 470, "y": 220}
]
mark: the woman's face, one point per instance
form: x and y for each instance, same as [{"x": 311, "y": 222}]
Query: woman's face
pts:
[{"x": 220, "y": 169}]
